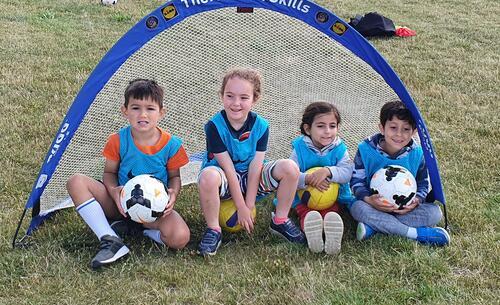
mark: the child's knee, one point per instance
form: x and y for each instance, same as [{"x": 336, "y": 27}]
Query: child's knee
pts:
[
  {"x": 288, "y": 168},
  {"x": 78, "y": 184},
  {"x": 434, "y": 213},
  {"x": 359, "y": 205},
  {"x": 177, "y": 239},
  {"x": 209, "y": 179},
  {"x": 359, "y": 208},
  {"x": 75, "y": 181}
]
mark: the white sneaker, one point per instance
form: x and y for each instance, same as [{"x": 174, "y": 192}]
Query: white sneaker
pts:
[
  {"x": 334, "y": 228},
  {"x": 313, "y": 228}
]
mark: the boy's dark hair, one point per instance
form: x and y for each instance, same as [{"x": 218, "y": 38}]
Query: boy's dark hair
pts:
[
  {"x": 314, "y": 109},
  {"x": 398, "y": 109},
  {"x": 140, "y": 88}
]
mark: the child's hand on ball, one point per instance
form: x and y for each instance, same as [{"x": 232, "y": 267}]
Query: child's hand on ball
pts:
[
  {"x": 318, "y": 179},
  {"x": 409, "y": 207},
  {"x": 378, "y": 202},
  {"x": 171, "y": 202},
  {"x": 323, "y": 185},
  {"x": 245, "y": 218},
  {"x": 115, "y": 194}
]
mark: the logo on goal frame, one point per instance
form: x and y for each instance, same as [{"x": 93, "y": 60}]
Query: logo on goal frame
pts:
[
  {"x": 339, "y": 28},
  {"x": 169, "y": 12},
  {"x": 151, "y": 22}
]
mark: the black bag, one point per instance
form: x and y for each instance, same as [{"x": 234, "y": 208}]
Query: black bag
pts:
[{"x": 373, "y": 24}]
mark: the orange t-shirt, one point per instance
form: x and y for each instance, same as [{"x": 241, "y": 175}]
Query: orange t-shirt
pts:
[{"x": 111, "y": 150}]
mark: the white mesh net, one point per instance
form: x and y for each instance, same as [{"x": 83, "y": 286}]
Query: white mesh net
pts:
[{"x": 299, "y": 65}]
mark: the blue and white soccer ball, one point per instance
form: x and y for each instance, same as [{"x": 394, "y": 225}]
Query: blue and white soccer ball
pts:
[
  {"x": 109, "y": 2},
  {"x": 396, "y": 184},
  {"x": 144, "y": 198}
]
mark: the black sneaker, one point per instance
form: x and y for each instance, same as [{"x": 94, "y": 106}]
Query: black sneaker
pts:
[
  {"x": 110, "y": 250},
  {"x": 289, "y": 231},
  {"x": 127, "y": 227}
]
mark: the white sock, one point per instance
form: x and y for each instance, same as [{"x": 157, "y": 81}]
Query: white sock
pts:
[
  {"x": 92, "y": 213},
  {"x": 154, "y": 235},
  {"x": 412, "y": 233}
]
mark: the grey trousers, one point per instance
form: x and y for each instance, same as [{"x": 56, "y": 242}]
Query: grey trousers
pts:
[{"x": 425, "y": 215}]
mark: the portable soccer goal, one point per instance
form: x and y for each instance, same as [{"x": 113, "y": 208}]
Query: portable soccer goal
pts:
[{"x": 304, "y": 53}]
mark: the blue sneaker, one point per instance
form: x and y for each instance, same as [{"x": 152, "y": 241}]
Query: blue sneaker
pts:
[
  {"x": 289, "y": 231},
  {"x": 433, "y": 236},
  {"x": 210, "y": 242},
  {"x": 364, "y": 231}
]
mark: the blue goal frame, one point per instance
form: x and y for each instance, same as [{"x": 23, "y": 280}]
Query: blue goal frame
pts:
[{"x": 173, "y": 12}]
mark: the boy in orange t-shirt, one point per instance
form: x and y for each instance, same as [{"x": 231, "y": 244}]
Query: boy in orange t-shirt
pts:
[{"x": 140, "y": 148}]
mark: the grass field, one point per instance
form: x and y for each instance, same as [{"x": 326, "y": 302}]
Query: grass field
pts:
[{"x": 48, "y": 48}]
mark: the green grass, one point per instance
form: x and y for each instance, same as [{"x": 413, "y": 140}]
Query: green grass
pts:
[{"x": 48, "y": 49}]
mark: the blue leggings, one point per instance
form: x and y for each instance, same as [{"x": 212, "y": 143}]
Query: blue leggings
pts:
[{"x": 425, "y": 215}]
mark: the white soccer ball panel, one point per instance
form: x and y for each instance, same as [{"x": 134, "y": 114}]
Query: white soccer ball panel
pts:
[
  {"x": 395, "y": 184},
  {"x": 109, "y": 2},
  {"x": 140, "y": 214},
  {"x": 144, "y": 198}
]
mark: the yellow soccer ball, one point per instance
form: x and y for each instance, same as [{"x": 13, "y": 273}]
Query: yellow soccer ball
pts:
[
  {"x": 228, "y": 216},
  {"x": 320, "y": 200}
]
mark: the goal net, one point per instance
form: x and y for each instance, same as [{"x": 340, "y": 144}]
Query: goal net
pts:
[{"x": 303, "y": 52}]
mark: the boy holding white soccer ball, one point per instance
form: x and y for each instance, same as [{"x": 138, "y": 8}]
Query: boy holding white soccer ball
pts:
[
  {"x": 137, "y": 149},
  {"x": 394, "y": 146}
]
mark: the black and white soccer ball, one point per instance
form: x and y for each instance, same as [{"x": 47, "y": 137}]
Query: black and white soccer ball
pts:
[
  {"x": 109, "y": 2},
  {"x": 144, "y": 198},
  {"x": 395, "y": 184}
]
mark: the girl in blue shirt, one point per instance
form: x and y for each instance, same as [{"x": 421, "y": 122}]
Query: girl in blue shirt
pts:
[
  {"x": 320, "y": 146},
  {"x": 234, "y": 167}
]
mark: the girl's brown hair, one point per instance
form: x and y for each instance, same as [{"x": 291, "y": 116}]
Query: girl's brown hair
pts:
[{"x": 313, "y": 109}]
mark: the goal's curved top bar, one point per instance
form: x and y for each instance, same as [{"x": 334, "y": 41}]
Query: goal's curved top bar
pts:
[{"x": 175, "y": 11}]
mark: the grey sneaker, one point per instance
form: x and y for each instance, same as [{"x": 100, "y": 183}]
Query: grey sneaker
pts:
[
  {"x": 313, "y": 228},
  {"x": 110, "y": 250},
  {"x": 334, "y": 229}
]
